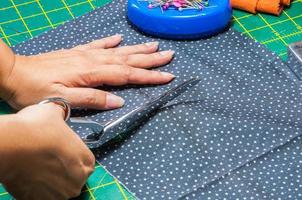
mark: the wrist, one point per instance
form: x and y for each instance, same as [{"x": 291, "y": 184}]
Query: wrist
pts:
[{"x": 7, "y": 61}]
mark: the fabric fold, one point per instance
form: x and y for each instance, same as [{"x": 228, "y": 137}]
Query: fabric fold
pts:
[
  {"x": 270, "y": 6},
  {"x": 274, "y": 7},
  {"x": 249, "y": 6}
]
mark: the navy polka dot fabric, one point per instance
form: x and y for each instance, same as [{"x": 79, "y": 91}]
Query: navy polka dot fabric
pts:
[{"x": 235, "y": 135}]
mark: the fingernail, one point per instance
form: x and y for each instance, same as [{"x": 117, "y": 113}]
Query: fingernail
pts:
[
  {"x": 117, "y": 36},
  {"x": 151, "y": 44},
  {"x": 166, "y": 74},
  {"x": 113, "y": 101},
  {"x": 165, "y": 53}
]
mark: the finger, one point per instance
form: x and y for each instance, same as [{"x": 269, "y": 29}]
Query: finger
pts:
[
  {"x": 142, "y": 76},
  {"x": 123, "y": 74},
  {"x": 54, "y": 109},
  {"x": 150, "y": 47},
  {"x": 92, "y": 98},
  {"x": 149, "y": 60},
  {"x": 104, "y": 43},
  {"x": 134, "y": 60}
]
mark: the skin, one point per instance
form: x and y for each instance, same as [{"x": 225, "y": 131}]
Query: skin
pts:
[
  {"x": 42, "y": 158},
  {"x": 45, "y": 159}
]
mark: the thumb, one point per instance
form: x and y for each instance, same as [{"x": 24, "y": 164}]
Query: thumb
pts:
[
  {"x": 49, "y": 109},
  {"x": 92, "y": 98}
]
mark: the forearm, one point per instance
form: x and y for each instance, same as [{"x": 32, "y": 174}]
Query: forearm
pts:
[{"x": 7, "y": 60}]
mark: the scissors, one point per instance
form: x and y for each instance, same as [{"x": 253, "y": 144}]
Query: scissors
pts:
[{"x": 100, "y": 134}]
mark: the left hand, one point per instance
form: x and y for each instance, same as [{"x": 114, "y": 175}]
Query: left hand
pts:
[{"x": 71, "y": 73}]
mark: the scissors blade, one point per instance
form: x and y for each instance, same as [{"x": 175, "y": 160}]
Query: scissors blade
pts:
[{"x": 134, "y": 118}]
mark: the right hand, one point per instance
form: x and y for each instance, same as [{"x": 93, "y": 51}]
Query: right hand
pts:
[{"x": 45, "y": 159}]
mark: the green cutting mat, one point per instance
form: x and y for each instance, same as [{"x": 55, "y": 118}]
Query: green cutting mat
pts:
[{"x": 22, "y": 19}]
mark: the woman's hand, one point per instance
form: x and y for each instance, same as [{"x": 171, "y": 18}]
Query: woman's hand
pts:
[
  {"x": 70, "y": 74},
  {"x": 42, "y": 157}
]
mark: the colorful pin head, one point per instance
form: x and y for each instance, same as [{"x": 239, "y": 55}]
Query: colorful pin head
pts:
[{"x": 178, "y": 4}]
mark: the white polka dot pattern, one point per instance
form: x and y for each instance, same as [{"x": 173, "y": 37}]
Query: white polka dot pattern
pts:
[
  {"x": 276, "y": 175},
  {"x": 235, "y": 136}
]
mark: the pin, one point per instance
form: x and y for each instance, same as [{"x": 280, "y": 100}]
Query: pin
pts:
[{"x": 177, "y": 4}]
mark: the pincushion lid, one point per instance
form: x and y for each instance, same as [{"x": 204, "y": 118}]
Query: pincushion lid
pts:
[{"x": 175, "y": 24}]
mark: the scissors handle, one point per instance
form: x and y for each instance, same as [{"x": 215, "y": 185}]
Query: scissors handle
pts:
[
  {"x": 61, "y": 102},
  {"x": 91, "y": 140}
]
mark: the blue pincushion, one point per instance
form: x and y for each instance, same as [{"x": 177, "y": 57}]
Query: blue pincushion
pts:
[{"x": 176, "y": 23}]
